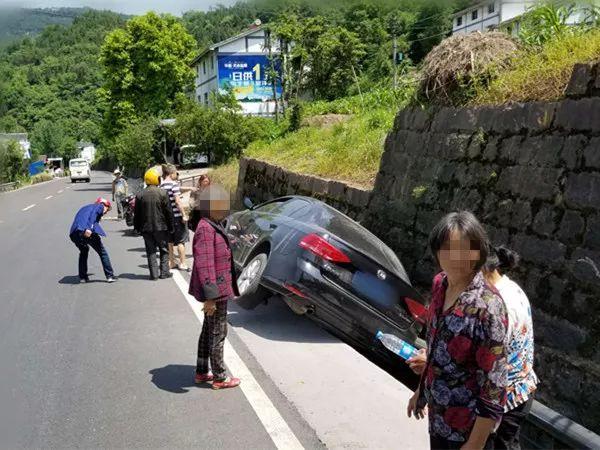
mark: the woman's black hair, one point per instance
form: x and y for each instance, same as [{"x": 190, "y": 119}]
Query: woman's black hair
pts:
[
  {"x": 501, "y": 258},
  {"x": 467, "y": 225}
]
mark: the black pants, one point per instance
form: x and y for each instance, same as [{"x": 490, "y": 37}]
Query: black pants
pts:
[
  {"x": 439, "y": 443},
  {"x": 157, "y": 240},
  {"x": 508, "y": 434},
  {"x": 212, "y": 341},
  {"x": 83, "y": 244}
]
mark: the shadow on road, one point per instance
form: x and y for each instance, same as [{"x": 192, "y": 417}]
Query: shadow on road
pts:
[
  {"x": 134, "y": 276},
  {"x": 175, "y": 378},
  {"x": 91, "y": 189},
  {"x": 74, "y": 279},
  {"x": 138, "y": 249}
]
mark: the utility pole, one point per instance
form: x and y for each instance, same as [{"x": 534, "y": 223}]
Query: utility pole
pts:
[{"x": 395, "y": 62}]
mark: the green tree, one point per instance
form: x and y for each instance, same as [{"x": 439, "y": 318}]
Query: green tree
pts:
[
  {"x": 145, "y": 66},
  {"x": 134, "y": 146},
  {"x": 546, "y": 22},
  {"x": 11, "y": 161},
  {"x": 433, "y": 22}
]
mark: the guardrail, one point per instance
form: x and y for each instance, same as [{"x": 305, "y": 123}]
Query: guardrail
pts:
[
  {"x": 5, "y": 187},
  {"x": 191, "y": 179},
  {"x": 548, "y": 429}
]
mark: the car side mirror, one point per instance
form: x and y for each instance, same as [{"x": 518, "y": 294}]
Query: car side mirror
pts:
[{"x": 248, "y": 203}]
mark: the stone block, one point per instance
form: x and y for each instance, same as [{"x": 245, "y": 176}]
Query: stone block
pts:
[
  {"x": 395, "y": 213},
  {"x": 556, "y": 292},
  {"x": 529, "y": 182},
  {"x": 545, "y": 221},
  {"x": 583, "y": 190},
  {"x": 320, "y": 186},
  {"x": 455, "y": 120},
  {"x": 581, "y": 79},
  {"x": 512, "y": 214},
  {"x": 412, "y": 119},
  {"x": 514, "y": 118},
  {"x": 579, "y": 115},
  {"x": 585, "y": 266},
  {"x": 592, "y": 233},
  {"x": 358, "y": 197},
  {"x": 511, "y": 150},
  {"x": 571, "y": 227},
  {"x": 336, "y": 190},
  {"x": 572, "y": 151},
  {"x": 543, "y": 252},
  {"x": 498, "y": 236},
  {"x": 591, "y": 154},
  {"x": 454, "y": 147},
  {"x": 469, "y": 199},
  {"x": 490, "y": 152},
  {"x": 426, "y": 220},
  {"x": 556, "y": 332}
]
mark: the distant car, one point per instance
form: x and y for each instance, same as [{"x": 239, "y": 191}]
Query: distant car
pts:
[
  {"x": 80, "y": 170},
  {"x": 191, "y": 157},
  {"x": 327, "y": 266}
]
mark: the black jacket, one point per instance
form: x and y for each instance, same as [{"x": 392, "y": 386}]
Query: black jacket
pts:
[{"x": 153, "y": 211}]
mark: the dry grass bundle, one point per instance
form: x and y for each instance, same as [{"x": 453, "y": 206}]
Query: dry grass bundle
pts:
[{"x": 462, "y": 61}]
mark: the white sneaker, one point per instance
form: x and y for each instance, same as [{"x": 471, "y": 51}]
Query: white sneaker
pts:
[{"x": 111, "y": 279}]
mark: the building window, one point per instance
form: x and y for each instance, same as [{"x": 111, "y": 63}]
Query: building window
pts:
[
  {"x": 206, "y": 98},
  {"x": 459, "y": 21},
  {"x": 491, "y": 8},
  {"x": 475, "y": 15},
  {"x": 212, "y": 63},
  {"x": 204, "y": 67}
]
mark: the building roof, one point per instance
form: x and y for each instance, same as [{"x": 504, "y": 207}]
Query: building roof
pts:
[{"x": 249, "y": 31}]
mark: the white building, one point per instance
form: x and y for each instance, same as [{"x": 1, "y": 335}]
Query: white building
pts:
[
  {"x": 240, "y": 63},
  {"x": 21, "y": 139},
  {"x": 491, "y": 14}
]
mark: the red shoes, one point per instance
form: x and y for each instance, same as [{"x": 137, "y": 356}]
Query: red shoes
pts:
[
  {"x": 203, "y": 378},
  {"x": 226, "y": 383},
  {"x": 223, "y": 384}
]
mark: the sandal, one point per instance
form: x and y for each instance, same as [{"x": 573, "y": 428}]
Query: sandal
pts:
[{"x": 226, "y": 383}]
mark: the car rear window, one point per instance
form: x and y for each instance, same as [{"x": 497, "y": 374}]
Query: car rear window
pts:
[
  {"x": 359, "y": 237},
  {"x": 78, "y": 163}
]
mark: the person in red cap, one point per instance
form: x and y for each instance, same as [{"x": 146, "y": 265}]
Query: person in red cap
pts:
[{"x": 85, "y": 232}]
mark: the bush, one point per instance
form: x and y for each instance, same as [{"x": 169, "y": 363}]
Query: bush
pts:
[
  {"x": 542, "y": 74},
  {"x": 41, "y": 177},
  {"x": 134, "y": 146},
  {"x": 11, "y": 161}
]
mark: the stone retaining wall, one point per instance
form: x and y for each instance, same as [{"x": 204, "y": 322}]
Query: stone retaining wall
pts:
[
  {"x": 261, "y": 182},
  {"x": 531, "y": 173}
]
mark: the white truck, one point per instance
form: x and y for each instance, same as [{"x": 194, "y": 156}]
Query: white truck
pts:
[{"x": 80, "y": 170}]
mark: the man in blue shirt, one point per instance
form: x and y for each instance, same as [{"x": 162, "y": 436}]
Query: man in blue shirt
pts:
[{"x": 85, "y": 233}]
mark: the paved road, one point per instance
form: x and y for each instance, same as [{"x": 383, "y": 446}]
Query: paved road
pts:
[{"x": 111, "y": 365}]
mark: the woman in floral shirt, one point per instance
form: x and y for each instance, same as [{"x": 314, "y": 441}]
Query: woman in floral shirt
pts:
[{"x": 464, "y": 382}]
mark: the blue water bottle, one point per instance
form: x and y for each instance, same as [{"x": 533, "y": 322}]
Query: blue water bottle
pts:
[{"x": 396, "y": 345}]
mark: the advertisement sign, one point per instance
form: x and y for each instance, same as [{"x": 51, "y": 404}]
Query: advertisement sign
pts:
[{"x": 247, "y": 76}]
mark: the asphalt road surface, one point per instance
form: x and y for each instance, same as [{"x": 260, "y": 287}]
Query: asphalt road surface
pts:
[{"x": 111, "y": 365}]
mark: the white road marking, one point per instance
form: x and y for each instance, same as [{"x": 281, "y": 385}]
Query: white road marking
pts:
[
  {"x": 49, "y": 197},
  {"x": 28, "y": 207},
  {"x": 60, "y": 192},
  {"x": 68, "y": 187},
  {"x": 279, "y": 431}
]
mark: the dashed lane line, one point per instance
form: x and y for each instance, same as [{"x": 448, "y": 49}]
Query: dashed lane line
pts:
[
  {"x": 279, "y": 431},
  {"x": 60, "y": 192},
  {"x": 28, "y": 207},
  {"x": 49, "y": 197}
]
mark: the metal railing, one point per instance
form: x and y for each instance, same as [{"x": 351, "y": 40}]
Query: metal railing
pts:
[{"x": 548, "y": 429}]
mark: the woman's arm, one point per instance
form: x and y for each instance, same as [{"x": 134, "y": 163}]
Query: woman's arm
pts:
[
  {"x": 492, "y": 363},
  {"x": 204, "y": 263}
]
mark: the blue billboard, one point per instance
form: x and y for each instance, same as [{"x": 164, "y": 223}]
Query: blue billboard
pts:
[{"x": 247, "y": 76}]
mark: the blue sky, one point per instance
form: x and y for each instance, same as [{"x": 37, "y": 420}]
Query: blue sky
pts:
[{"x": 124, "y": 6}]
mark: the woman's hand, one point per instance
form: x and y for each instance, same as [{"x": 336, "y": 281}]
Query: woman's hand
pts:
[
  {"x": 418, "y": 361},
  {"x": 413, "y": 409},
  {"x": 210, "y": 306}
]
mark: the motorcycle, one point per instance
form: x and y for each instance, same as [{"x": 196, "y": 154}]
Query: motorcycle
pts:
[{"x": 128, "y": 204}]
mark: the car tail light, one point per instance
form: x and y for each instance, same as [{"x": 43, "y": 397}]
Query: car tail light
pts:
[
  {"x": 320, "y": 247},
  {"x": 417, "y": 310}
]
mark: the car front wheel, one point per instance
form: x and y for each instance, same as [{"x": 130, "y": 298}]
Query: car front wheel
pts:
[{"x": 251, "y": 292}]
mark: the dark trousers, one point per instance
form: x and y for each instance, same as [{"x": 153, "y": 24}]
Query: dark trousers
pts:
[
  {"x": 84, "y": 244},
  {"x": 212, "y": 341},
  {"x": 508, "y": 434},
  {"x": 439, "y": 443},
  {"x": 157, "y": 240}
]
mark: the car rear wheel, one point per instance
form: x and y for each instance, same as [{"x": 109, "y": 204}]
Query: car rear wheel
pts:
[{"x": 251, "y": 292}]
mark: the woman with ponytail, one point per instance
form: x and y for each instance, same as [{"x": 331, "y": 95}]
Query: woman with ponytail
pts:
[{"x": 522, "y": 380}]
